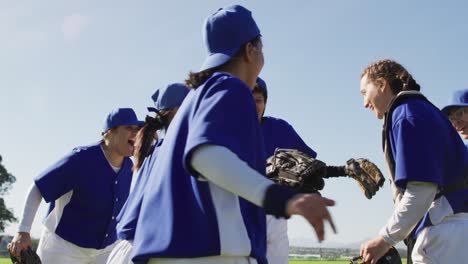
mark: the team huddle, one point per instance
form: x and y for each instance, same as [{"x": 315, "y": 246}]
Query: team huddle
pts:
[{"x": 202, "y": 192}]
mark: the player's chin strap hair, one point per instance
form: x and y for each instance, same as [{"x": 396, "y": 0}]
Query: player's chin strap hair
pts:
[{"x": 146, "y": 136}]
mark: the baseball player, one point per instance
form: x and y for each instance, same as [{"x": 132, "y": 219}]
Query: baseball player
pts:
[
  {"x": 427, "y": 163},
  {"x": 166, "y": 100},
  {"x": 457, "y": 112},
  {"x": 203, "y": 200},
  {"x": 277, "y": 133},
  {"x": 88, "y": 187}
]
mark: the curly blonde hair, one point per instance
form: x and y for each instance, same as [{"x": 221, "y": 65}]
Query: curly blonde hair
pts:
[{"x": 394, "y": 73}]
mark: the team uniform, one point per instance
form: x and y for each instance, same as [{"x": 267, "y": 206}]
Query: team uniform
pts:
[
  {"x": 277, "y": 133},
  {"x": 187, "y": 219},
  {"x": 166, "y": 100},
  {"x": 128, "y": 217},
  {"x": 88, "y": 194},
  {"x": 426, "y": 148}
]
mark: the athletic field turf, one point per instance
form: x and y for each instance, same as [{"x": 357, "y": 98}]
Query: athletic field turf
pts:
[
  {"x": 343, "y": 261},
  {"x": 7, "y": 261}
]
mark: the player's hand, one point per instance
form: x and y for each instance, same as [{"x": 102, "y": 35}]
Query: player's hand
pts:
[
  {"x": 374, "y": 249},
  {"x": 312, "y": 207},
  {"x": 20, "y": 242}
]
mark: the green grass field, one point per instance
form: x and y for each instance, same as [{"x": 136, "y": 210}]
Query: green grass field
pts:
[
  {"x": 319, "y": 262},
  {"x": 7, "y": 261},
  {"x": 343, "y": 261}
]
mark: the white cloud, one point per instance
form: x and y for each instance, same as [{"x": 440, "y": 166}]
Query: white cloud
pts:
[{"x": 73, "y": 26}]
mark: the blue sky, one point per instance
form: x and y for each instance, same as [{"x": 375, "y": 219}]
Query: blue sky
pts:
[{"x": 65, "y": 64}]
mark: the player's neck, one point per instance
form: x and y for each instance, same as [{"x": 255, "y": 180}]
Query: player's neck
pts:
[
  {"x": 113, "y": 157},
  {"x": 242, "y": 72}
]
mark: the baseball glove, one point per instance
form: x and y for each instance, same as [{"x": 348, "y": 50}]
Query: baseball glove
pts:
[
  {"x": 391, "y": 257},
  {"x": 297, "y": 170},
  {"x": 367, "y": 175},
  {"x": 28, "y": 256},
  {"x": 302, "y": 172}
]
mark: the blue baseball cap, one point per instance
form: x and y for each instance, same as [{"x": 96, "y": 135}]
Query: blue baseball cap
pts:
[
  {"x": 169, "y": 97},
  {"x": 459, "y": 99},
  {"x": 121, "y": 117},
  {"x": 225, "y": 32},
  {"x": 262, "y": 85}
]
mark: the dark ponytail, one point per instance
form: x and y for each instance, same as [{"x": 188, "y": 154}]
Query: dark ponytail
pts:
[
  {"x": 196, "y": 79},
  {"x": 145, "y": 137}
]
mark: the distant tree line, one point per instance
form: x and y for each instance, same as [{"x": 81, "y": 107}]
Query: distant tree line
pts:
[{"x": 6, "y": 181}]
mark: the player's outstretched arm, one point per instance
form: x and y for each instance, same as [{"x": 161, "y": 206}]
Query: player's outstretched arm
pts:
[{"x": 223, "y": 168}]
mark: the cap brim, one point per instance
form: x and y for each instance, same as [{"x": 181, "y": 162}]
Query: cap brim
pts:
[
  {"x": 215, "y": 60},
  {"x": 218, "y": 59},
  {"x": 135, "y": 123},
  {"x": 138, "y": 123},
  {"x": 152, "y": 109},
  {"x": 447, "y": 108}
]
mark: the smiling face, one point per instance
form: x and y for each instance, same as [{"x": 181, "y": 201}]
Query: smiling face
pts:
[
  {"x": 377, "y": 95},
  {"x": 459, "y": 118},
  {"x": 121, "y": 140}
]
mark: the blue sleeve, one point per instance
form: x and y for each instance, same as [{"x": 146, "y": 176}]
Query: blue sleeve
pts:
[
  {"x": 58, "y": 179},
  {"x": 297, "y": 142},
  {"x": 222, "y": 116},
  {"x": 128, "y": 216},
  {"x": 418, "y": 154}
]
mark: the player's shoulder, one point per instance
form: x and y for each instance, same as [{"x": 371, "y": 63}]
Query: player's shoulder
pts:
[
  {"x": 415, "y": 109},
  {"x": 275, "y": 121},
  {"x": 86, "y": 150},
  {"x": 221, "y": 81}
]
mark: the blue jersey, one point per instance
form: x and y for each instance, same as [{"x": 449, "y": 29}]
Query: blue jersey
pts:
[
  {"x": 427, "y": 148},
  {"x": 185, "y": 216},
  {"x": 97, "y": 195},
  {"x": 128, "y": 217},
  {"x": 277, "y": 133}
]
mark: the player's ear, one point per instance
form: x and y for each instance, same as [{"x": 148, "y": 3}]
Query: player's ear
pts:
[
  {"x": 382, "y": 84},
  {"x": 250, "y": 52}
]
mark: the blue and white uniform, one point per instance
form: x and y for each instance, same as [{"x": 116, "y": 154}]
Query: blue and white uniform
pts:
[
  {"x": 88, "y": 195},
  {"x": 128, "y": 217},
  {"x": 427, "y": 150},
  {"x": 166, "y": 100},
  {"x": 278, "y": 133},
  {"x": 185, "y": 216}
]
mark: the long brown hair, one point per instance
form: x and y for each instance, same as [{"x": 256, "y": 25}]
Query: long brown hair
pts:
[
  {"x": 394, "y": 73},
  {"x": 196, "y": 79},
  {"x": 147, "y": 134}
]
